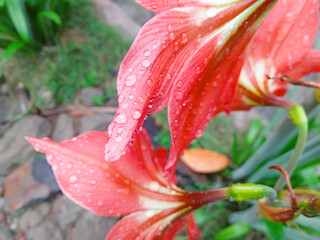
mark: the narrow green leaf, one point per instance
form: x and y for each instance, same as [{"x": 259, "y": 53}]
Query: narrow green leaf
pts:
[
  {"x": 290, "y": 233},
  {"x": 1, "y": 3},
  {"x": 53, "y": 16},
  {"x": 11, "y": 49},
  {"x": 276, "y": 231},
  {"x": 235, "y": 230},
  {"x": 311, "y": 153},
  {"x": 18, "y": 15},
  {"x": 7, "y": 32}
]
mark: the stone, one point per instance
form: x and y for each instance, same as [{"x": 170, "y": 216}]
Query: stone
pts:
[
  {"x": 29, "y": 183},
  {"x": 99, "y": 121},
  {"x": 91, "y": 226},
  {"x": 66, "y": 212},
  {"x": 86, "y": 95},
  {"x": 42, "y": 173},
  {"x": 5, "y": 233},
  {"x": 64, "y": 128},
  {"x": 36, "y": 224},
  {"x": 34, "y": 216},
  {"x": 14, "y": 148},
  {"x": 116, "y": 17},
  {"x": 45, "y": 97},
  {"x": 135, "y": 11},
  {"x": 9, "y": 106},
  {"x": 45, "y": 230},
  {"x": 20, "y": 188}
]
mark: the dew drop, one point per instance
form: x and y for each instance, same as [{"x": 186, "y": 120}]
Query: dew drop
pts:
[
  {"x": 118, "y": 139},
  {"x": 171, "y": 36},
  {"x": 136, "y": 114},
  {"x": 120, "y": 98},
  {"x": 184, "y": 38},
  {"x": 125, "y": 191},
  {"x": 73, "y": 179},
  {"x": 125, "y": 105},
  {"x": 131, "y": 80},
  {"x": 145, "y": 63},
  {"x": 100, "y": 203},
  {"x": 306, "y": 40},
  {"x": 121, "y": 118},
  {"x": 111, "y": 211},
  {"x": 154, "y": 186},
  {"x": 147, "y": 53}
]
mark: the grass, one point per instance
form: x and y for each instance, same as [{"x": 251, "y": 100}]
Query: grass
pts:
[{"x": 87, "y": 54}]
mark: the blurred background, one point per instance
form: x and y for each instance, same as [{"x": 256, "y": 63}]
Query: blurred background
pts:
[{"x": 58, "y": 70}]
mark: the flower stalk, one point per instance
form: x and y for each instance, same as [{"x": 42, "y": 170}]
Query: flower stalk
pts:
[{"x": 300, "y": 120}]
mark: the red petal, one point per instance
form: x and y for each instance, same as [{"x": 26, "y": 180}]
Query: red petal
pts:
[
  {"x": 287, "y": 34},
  {"x": 109, "y": 189},
  {"x": 150, "y": 225},
  {"x": 309, "y": 64},
  {"x": 210, "y": 78},
  {"x": 192, "y": 228},
  {"x": 154, "y": 63},
  {"x": 164, "y": 5}
]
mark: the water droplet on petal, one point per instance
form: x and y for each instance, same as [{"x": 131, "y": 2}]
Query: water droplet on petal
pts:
[
  {"x": 121, "y": 118},
  {"x": 120, "y": 98},
  {"x": 171, "y": 36},
  {"x": 147, "y": 53},
  {"x": 131, "y": 80},
  {"x": 154, "y": 186},
  {"x": 125, "y": 105},
  {"x": 306, "y": 40},
  {"x": 73, "y": 179},
  {"x": 111, "y": 211},
  {"x": 146, "y": 63},
  {"x": 136, "y": 114}
]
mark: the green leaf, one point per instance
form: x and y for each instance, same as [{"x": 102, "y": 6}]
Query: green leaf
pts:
[
  {"x": 7, "y": 32},
  {"x": 235, "y": 230},
  {"x": 11, "y": 49},
  {"x": 290, "y": 233},
  {"x": 1, "y": 3},
  {"x": 276, "y": 231},
  {"x": 254, "y": 131},
  {"x": 18, "y": 15},
  {"x": 53, "y": 16}
]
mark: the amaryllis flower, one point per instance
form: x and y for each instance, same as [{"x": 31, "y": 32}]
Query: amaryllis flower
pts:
[
  {"x": 282, "y": 47},
  {"x": 133, "y": 185},
  {"x": 187, "y": 58}
]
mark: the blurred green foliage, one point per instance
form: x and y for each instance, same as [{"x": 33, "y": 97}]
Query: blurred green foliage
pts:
[
  {"x": 86, "y": 54},
  {"x": 28, "y": 25}
]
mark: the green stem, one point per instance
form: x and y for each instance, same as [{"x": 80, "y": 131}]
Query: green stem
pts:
[{"x": 300, "y": 119}]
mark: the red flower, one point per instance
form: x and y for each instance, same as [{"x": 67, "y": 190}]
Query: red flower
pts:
[
  {"x": 188, "y": 58},
  {"x": 281, "y": 47},
  {"x": 133, "y": 185}
]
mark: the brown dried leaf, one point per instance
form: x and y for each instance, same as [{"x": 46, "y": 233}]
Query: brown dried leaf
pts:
[{"x": 205, "y": 161}]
